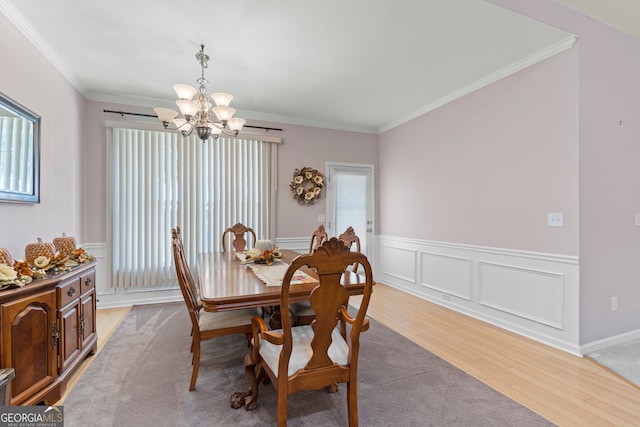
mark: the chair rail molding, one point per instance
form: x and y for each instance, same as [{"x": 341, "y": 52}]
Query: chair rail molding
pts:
[{"x": 530, "y": 293}]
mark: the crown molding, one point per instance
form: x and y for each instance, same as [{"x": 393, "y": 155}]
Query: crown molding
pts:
[
  {"x": 513, "y": 68},
  {"x": 27, "y": 30}
]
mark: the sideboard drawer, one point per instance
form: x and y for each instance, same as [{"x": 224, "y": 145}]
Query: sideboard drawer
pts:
[
  {"x": 68, "y": 291},
  {"x": 87, "y": 281}
]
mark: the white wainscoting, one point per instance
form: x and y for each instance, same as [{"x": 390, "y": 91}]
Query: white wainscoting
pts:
[
  {"x": 121, "y": 297},
  {"x": 532, "y": 294}
]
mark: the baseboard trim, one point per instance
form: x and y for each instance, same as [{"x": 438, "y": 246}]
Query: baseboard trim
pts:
[{"x": 610, "y": 342}]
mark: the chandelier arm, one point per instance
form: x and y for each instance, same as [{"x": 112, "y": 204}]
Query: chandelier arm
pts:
[{"x": 232, "y": 133}]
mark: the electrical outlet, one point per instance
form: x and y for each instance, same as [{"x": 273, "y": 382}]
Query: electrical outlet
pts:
[
  {"x": 555, "y": 219},
  {"x": 614, "y": 303}
]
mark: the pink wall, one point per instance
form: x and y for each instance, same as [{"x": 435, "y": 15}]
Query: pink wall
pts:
[
  {"x": 301, "y": 146},
  {"x": 487, "y": 168},
  {"x": 306, "y": 146},
  {"x": 608, "y": 168},
  {"x": 30, "y": 79},
  {"x": 609, "y": 181}
]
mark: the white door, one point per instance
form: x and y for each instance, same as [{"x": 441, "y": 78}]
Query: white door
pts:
[{"x": 350, "y": 201}]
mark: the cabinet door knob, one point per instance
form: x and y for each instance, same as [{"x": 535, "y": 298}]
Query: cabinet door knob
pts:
[
  {"x": 72, "y": 291},
  {"x": 88, "y": 282}
]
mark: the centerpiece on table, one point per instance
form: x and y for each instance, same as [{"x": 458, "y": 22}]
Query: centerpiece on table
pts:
[{"x": 264, "y": 252}]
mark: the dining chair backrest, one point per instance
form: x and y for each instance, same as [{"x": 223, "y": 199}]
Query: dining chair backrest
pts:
[
  {"x": 329, "y": 298},
  {"x": 317, "y": 238},
  {"x": 237, "y": 233},
  {"x": 185, "y": 280},
  {"x": 349, "y": 237},
  {"x": 190, "y": 282}
]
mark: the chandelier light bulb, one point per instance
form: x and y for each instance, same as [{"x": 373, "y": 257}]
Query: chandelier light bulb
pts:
[
  {"x": 235, "y": 124},
  {"x": 224, "y": 113},
  {"x": 221, "y": 98},
  {"x": 166, "y": 115},
  {"x": 188, "y": 108},
  {"x": 185, "y": 91}
]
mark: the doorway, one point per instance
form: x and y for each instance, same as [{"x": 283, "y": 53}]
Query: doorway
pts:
[{"x": 350, "y": 201}]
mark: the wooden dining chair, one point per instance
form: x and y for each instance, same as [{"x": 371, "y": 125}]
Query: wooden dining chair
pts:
[
  {"x": 301, "y": 312},
  {"x": 349, "y": 237},
  {"x": 237, "y": 232},
  {"x": 317, "y": 238},
  {"x": 314, "y": 356},
  {"x": 205, "y": 325}
]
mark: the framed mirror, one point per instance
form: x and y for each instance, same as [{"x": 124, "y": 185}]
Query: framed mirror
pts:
[{"x": 19, "y": 153}]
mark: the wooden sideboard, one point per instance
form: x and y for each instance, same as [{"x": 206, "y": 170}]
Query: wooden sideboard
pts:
[{"x": 46, "y": 329}]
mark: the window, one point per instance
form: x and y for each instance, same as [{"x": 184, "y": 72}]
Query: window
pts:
[{"x": 160, "y": 179}]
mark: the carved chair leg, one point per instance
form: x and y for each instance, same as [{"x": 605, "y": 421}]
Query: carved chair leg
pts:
[
  {"x": 352, "y": 404},
  {"x": 275, "y": 321},
  {"x": 333, "y": 388},
  {"x": 282, "y": 406},
  {"x": 196, "y": 365}
]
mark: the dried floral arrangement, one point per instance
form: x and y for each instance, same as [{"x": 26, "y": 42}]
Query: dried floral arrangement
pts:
[
  {"x": 16, "y": 273},
  {"x": 307, "y": 185}
]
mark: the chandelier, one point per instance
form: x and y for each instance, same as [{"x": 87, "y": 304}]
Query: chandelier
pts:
[{"x": 196, "y": 113}]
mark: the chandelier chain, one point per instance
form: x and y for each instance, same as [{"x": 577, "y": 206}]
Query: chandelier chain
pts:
[{"x": 203, "y": 59}]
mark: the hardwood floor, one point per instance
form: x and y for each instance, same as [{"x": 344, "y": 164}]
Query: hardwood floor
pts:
[{"x": 565, "y": 389}]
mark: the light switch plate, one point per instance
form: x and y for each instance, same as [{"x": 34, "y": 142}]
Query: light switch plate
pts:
[
  {"x": 555, "y": 219},
  {"x": 322, "y": 217}
]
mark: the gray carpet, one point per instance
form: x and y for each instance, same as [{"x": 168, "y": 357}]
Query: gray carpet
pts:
[
  {"x": 623, "y": 359},
  {"x": 141, "y": 378}
]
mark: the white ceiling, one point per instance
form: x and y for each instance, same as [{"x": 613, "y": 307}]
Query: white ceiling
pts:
[{"x": 364, "y": 65}]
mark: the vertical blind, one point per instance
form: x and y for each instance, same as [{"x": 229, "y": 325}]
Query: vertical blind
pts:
[
  {"x": 159, "y": 180},
  {"x": 16, "y": 159}
]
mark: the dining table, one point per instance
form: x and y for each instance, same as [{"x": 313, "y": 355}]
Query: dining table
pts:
[{"x": 228, "y": 283}]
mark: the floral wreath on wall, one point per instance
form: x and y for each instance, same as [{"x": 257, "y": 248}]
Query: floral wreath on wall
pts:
[{"x": 306, "y": 185}]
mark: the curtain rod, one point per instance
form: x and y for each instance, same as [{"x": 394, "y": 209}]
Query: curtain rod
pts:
[{"x": 122, "y": 113}]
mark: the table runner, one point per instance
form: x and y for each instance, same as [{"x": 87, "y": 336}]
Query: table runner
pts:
[{"x": 272, "y": 275}]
